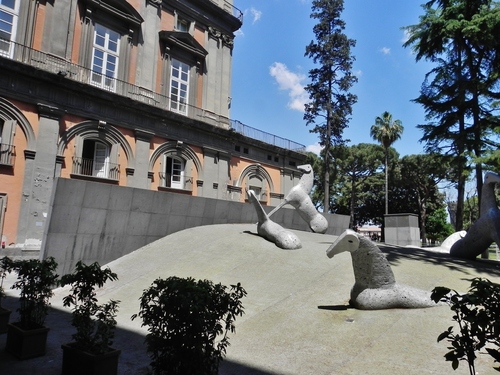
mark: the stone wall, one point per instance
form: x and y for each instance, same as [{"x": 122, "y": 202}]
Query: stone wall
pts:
[
  {"x": 402, "y": 230},
  {"x": 92, "y": 221}
]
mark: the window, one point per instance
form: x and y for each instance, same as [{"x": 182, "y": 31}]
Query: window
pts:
[
  {"x": 174, "y": 172},
  {"x": 257, "y": 191},
  {"x": 8, "y": 21},
  {"x": 105, "y": 58},
  {"x": 179, "y": 85},
  {"x": 7, "y": 129},
  {"x": 95, "y": 159},
  {"x": 182, "y": 25}
]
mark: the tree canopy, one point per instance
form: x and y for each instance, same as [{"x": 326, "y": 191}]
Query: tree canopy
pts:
[
  {"x": 460, "y": 95},
  {"x": 330, "y": 105}
]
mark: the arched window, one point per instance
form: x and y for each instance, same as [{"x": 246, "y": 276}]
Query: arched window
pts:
[
  {"x": 95, "y": 159},
  {"x": 174, "y": 172},
  {"x": 7, "y": 129},
  {"x": 256, "y": 178}
]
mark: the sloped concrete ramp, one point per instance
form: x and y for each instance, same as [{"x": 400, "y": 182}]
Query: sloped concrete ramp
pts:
[{"x": 297, "y": 320}]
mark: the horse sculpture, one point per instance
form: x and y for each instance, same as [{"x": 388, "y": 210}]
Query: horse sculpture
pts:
[
  {"x": 299, "y": 198},
  {"x": 485, "y": 230},
  {"x": 272, "y": 231},
  {"x": 375, "y": 287}
]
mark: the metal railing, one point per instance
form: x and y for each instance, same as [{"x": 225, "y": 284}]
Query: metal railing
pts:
[
  {"x": 182, "y": 182},
  {"x": 260, "y": 135},
  {"x": 58, "y": 65},
  {"x": 7, "y": 154},
  {"x": 230, "y": 8},
  {"x": 89, "y": 167}
]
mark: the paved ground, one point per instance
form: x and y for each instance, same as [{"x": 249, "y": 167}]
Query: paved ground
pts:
[{"x": 297, "y": 319}]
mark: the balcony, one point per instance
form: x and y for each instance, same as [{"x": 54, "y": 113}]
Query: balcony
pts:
[
  {"x": 7, "y": 154},
  {"x": 99, "y": 170},
  {"x": 175, "y": 182},
  {"x": 230, "y": 8},
  {"x": 68, "y": 70}
]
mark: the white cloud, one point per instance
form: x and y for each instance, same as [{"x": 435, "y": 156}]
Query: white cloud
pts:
[
  {"x": 358, "y": 73},
  {"x": 315, "y": 148},
  {"x": 256, "y": 14},
  {"x": 406, "y": 36},
  {"x": 291, "y": 82},
  {"x": 385, "y": 50}
]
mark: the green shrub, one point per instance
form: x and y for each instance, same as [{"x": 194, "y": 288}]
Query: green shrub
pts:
[
  {"x": 95, "y": 324},
  {"x": 188, "y": 323},
  {"x": 5, "y": 267},
  {"x": 35, "y": 280},
  {"x": 478, "y": 316}
]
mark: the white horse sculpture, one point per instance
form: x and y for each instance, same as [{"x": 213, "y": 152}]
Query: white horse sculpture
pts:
[
  {"x": 298, "y": 197},
  {"x": 486, "y": 229},
  {"x": 375, "y": 287},
  {"x": 272, "y": 231}
]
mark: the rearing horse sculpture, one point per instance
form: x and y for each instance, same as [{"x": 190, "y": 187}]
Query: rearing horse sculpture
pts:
[{"x": 298, "y": 197}]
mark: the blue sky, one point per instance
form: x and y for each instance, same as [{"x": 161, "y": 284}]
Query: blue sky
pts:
[{"x": 270, "y": 69}]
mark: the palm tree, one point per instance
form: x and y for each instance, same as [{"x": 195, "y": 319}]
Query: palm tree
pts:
[{"x": 386, "y": 132}]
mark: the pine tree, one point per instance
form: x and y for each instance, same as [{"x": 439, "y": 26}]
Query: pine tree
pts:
[
  {"x": 459, "y": 95},
  {"x": 331, "y": 79}
]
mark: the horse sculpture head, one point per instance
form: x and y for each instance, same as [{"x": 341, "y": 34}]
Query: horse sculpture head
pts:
[{"x": 347, "y": 241}]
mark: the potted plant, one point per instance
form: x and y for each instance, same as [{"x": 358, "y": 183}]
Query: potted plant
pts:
[
  {"x": 188, "y": 323},
  {"x": 5, "y": 267},
  {"x": 91, "y": 352},
  {"x": 27, "y": 337}
]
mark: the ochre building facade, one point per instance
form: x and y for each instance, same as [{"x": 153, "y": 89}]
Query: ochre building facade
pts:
[{"x": 133, "y": 93}]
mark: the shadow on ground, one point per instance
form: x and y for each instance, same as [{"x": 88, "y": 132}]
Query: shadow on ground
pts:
[
  {"x": 396, "y": 254},
  {"x": 133, "y": 359}
]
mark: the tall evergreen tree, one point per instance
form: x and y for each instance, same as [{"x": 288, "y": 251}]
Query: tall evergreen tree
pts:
[
  {"x": 461, "y": 93},
  {"x": 329, "y": 96},
  {"x": 386, "y": 131}
]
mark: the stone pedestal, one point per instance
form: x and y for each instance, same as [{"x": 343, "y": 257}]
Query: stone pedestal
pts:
[{"x": 402, "y": 229}]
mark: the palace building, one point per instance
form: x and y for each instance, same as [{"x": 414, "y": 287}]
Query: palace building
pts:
[{"x": 131, "y": 93}]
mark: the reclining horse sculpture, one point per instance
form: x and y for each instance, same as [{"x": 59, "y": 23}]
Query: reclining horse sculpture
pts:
[
  {"x": 272, "y": 231},
  {"x": 375, "y": 287}
]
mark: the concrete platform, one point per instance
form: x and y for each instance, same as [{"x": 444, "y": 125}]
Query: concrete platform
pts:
[{"x": 297, "y": 320}]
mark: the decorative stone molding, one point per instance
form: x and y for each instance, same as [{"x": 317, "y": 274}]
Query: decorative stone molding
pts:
[
  {"x": 214, "y": 33},
  {"x": 48, "y": 111},
  {"x": 227, "y": 40},
  {"x": 277, "y": 195},
  {"x": 155, "y": 2},
  {"x": 143, "y": 135},
  {"x": 60, "y": 159},
  {"x": 218, "y": 35},
  {"x": 29, "y": 154},
  {"x": 234, "y": 189}
]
